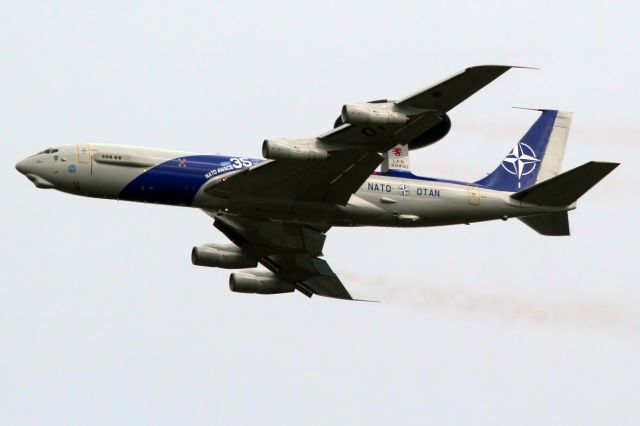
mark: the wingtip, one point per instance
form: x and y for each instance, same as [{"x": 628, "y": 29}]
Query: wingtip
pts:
[
  {"x": 505, "y": 67},
  {"x": 523, "y": 67}
]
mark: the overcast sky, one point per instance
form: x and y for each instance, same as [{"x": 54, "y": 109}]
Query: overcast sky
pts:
[{"x": 103, "y": 319}]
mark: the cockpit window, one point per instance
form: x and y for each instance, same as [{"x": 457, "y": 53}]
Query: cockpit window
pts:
[{"x": 48, "y": 151}]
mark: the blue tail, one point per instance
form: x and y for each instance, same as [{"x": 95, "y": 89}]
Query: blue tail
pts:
[{"x": 520, "y": 168}]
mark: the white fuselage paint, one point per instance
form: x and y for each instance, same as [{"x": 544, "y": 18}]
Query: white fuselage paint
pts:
[{"x": 178, "y": 178}]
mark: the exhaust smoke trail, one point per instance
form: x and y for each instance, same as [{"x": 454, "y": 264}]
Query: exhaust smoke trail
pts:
[{"x": 507, "y": 306}]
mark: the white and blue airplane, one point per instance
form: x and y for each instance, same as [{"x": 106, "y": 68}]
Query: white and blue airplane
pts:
[{"x": 276, "y": 211}]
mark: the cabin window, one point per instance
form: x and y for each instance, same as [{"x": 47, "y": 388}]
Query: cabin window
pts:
[{"x": 111, "y": 157}]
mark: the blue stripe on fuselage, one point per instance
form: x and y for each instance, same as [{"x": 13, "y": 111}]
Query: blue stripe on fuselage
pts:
[
  {"x": 177, "y": 181},
  {"x": 409, "y": 175}
]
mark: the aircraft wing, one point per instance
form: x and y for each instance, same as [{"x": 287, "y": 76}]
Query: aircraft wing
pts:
[
  {"x": 332, "y": 181},
  {"x": 353, "y": 149},
  {"x": 429, "y": 105},
  {"x": 288, "y": 250}
]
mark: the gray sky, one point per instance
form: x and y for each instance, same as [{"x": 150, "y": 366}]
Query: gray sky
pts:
[{"x": 103, "y": 320}]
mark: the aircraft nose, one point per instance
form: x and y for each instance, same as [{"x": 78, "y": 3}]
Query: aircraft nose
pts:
[{"x": 22, "y": 167}]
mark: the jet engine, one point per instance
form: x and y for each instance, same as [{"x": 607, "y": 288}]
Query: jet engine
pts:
[
  {"x": 379, "y": 114},
  {"x": 260, "y": 282},
  {"x": 293, "y": 149},
  {"x": 227, "y": 256},
  {"x": 430, "y": 136}
]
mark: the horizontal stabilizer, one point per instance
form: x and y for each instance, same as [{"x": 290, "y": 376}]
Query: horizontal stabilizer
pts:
[
  {"x": 548, "y": 224},
  {"x": 566, "y": 188}
]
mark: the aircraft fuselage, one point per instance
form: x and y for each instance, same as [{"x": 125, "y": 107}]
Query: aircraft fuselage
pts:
[{"x": 179, "y": 178}]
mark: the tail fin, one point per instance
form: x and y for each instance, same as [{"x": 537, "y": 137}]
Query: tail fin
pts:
[
  {"x": 537, "y": 157},
  {"x": 563, "y": 190}
]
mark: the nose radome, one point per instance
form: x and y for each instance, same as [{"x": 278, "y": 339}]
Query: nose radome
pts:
[{"x": 21, "y": 166}]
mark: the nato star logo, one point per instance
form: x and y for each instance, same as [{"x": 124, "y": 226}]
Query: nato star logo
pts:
[
  {"x": 404, "y": 190},
  {"x": 521, "y": 160}
]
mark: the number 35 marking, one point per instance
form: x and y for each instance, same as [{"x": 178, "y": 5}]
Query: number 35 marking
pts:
[{"x": 238, "y": 163}]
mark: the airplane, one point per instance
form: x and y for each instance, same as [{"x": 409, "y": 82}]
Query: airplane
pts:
[{"x": 276, "y": 211}]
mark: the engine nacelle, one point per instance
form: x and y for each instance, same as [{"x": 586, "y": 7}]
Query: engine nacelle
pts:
[
  {"x": 259, "y": 282},
  {"x": 432, "y": 135},
  {"x": 227, "y": 256},
  {"x": 293, "y": 149},
  {"x": 372, "y": 113}
]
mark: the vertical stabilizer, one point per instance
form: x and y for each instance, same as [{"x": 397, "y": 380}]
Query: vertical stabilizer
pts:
[
  {"x": 536, "y": 157},
  {"x": 551, "y": 163},
  {"x": 396, "y": 159}
]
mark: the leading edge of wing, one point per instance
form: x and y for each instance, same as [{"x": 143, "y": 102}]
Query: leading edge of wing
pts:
[{"x": 452, "y": 91}]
